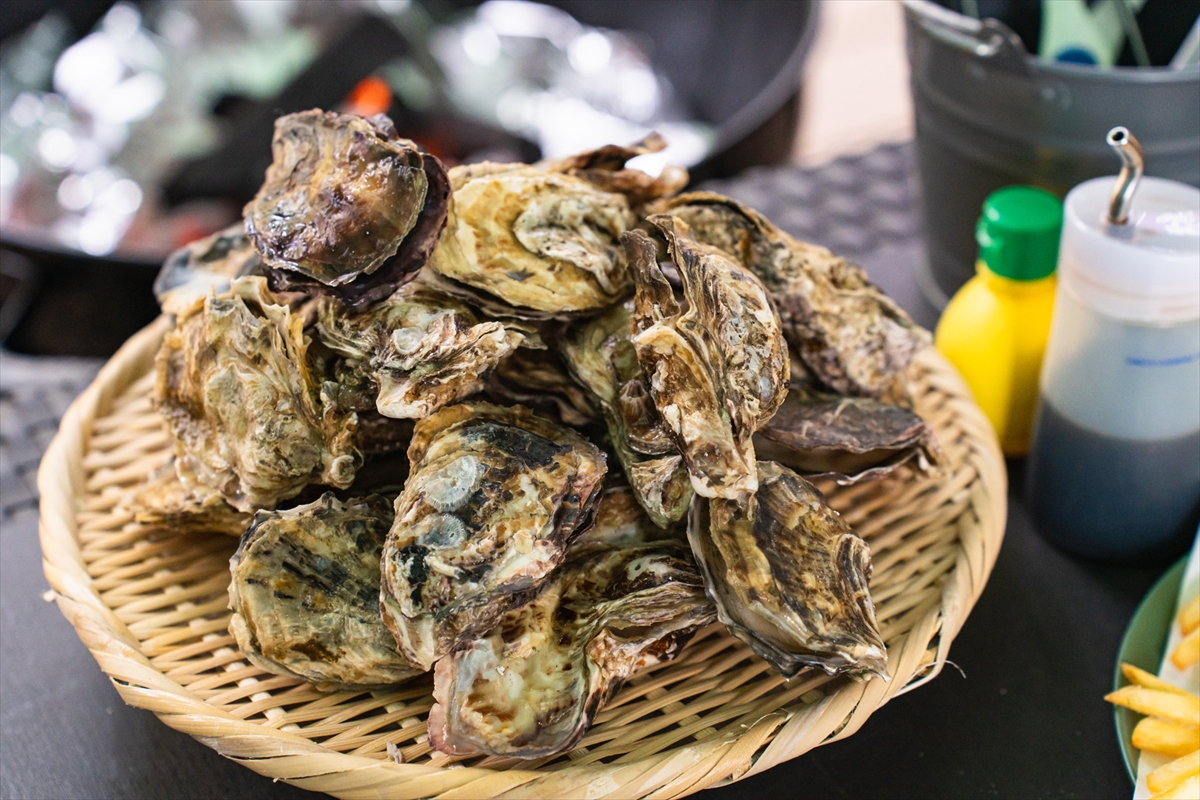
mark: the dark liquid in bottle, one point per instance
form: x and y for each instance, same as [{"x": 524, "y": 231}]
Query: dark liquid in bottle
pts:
[{"x": 1110, "y": 498}]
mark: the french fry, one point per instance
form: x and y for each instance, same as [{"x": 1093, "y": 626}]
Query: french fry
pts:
[
  {"x": 1142, "y": 678},
  {"x": 1189, "y": 616},
  {"x": 1181, "y": 708},
  {"x": 1188, "y": 790},
  {"x": 1188, "y": 651},
  {"x": 1165, "y": 737},
  {"x": 1174, "y": 772}
]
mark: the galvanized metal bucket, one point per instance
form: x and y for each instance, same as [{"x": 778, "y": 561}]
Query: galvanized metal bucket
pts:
[{"x": 989, "y": 115}]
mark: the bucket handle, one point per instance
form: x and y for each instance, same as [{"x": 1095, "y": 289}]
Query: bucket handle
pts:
[{"x": 989, "y": 39}]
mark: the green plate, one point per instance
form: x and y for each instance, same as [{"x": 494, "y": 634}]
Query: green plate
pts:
[{"x": 1143, "y": 645}]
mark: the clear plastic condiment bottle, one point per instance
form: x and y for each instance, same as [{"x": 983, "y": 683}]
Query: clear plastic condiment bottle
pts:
[
  {"x": 995, "y": 327},
  {"x": 1114, "y": 471}
]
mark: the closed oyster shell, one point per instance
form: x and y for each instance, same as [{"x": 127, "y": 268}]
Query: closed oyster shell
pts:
[
  {"x": 625, "y": 599},
  {"x": 605, "y": 169},
  {"x": 850, "y": 334},
  {"x": 718, "y": 369},
  {"x": 535, "y": 239},
  {"x": 163, "y": 502},
  {"x": 537, "y": 379},
  {"x": 204, "y": 267},
  {"x": 347, "y": 208},
  {"x": 493, "y": 498},
  {"x": 600, "y": 355},
  {"x": 789, "y": 577},
  {"x": 848, "y": 439},
  {"x": 251, "y": 416},
  {"x": 419, "y": 348},
  {"x": 305, "y": 594}
]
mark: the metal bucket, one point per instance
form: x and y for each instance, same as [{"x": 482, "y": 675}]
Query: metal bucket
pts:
[{"x": 990, "y": 115}]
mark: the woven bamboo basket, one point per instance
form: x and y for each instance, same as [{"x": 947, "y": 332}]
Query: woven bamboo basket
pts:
[{"x": 151, "y": 606}]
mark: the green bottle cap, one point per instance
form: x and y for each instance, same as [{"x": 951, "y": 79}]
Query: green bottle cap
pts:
[{"x": 1018, "y": 232}]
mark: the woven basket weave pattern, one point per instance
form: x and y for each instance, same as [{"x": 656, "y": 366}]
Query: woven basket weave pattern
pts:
[{"x": 151, "y": 605}]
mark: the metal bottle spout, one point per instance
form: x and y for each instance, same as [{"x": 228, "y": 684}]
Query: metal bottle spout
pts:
[{"x": 1132, "y": 166}]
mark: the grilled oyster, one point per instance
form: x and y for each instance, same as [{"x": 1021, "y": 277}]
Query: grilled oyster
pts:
[
  {"x": 493, "y": 498},
  {"x": 789, "y": 577},
  {"x": 537, "y": 379},
  {"x": 850, "y": 334},
  {"x": 348, "y": 207},
  {"x": 626, "y": 598},
  {"x": 164, "y": 502},
  {"x": 419, "y": 347},
  {"x": 535, "y": 239},
  {"x": 845, "y": 438},
  {"x": 719, "y": 369},
  {"x": 600, "y": 355},
  {"x": 194, "y": 271},
  {"x": 250, "y": 416},
  {"x": 305, "y": 594}
]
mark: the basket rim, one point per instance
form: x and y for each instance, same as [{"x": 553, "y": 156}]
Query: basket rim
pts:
[{"x": 777, "y": 737}]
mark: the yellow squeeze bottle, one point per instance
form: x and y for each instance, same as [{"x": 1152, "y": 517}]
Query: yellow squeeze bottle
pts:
[{"x": 995, "y": 328}]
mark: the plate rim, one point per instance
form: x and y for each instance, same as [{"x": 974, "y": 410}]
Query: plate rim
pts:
[{"x": 1165, "y": 591}]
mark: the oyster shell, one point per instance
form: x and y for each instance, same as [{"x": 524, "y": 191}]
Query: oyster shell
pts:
[
  {"x": 789, "y": 577},
  {"x": 850, "y": 334},
  {"x": 535, "y": 239},
  {"x": 605, "y": 169},
  {"x": 203, "y": 267},
  {"x": 537, "y": 379},
  {"x": 847, "y": 439},
  {"x": 718, "y": 369},
  {"x": 625, "y": 599},
  {"x": 347, "y": 208},
  {"x": 251, "y": 416},
  {"x": 305, "y": 594},
  {"x": 600, "y": 355},
  {"x": 493, "y": 498},
  {"x": 420, "y": 348},
  {"x": 164, "y": 502}
]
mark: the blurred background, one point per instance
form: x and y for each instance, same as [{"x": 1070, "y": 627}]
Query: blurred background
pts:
[{"x": 130, "y": 128}]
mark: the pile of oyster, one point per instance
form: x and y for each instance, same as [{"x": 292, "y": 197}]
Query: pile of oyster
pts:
[{"x": 524, "y": 426}]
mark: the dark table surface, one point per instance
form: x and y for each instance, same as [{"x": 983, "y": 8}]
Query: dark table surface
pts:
[{"x": 1019, "y": 714}]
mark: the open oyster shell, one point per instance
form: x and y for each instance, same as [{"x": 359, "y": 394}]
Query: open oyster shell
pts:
[
  {"x": 717, "y": 369},
  {"x": 347, "y": 208},
  {"x": 251, "y": 416},
  {"x": 600, "y": 355},
  {"x": 847, "y": 439},
  {"x": 626, "y": 598},
  {"x": 305, "y": 594},
  {"x": 850, "y": 334},
  {"x": 493, "y": 498},
  {"x": 419, "y": 349},
  {"x": 789, "y": 577},
  {"x": 204, "y": 267},
  {"x": 163, "y": 502},
  {"x": 535, "y": 239}
]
